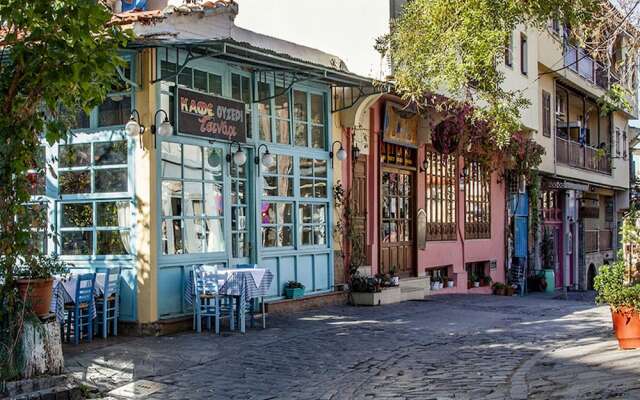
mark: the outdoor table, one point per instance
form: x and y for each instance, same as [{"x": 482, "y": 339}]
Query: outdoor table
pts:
[
  {"x": 243, "y": 284},
  {"x": 64, "y": 292}
]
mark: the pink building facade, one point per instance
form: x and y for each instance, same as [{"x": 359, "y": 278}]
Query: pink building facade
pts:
[{"x": 418, "y": 212}]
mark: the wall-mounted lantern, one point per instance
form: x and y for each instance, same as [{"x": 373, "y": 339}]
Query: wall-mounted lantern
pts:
[{"x": 267, "y": 158}]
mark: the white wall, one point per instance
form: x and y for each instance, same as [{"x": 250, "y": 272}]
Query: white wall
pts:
[{"x": 344, "y": 28}]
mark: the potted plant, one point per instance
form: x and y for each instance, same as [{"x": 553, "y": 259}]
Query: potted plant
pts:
[
  {"x": 395, "y": 279},
  {"x": 34, "y": 280},
  {"x": 498, "y": 288},
  {"x": 475, "y": 280},
  {"x": 293, "y": 290},
  {"x": 487, "y": 280},
  {"x": 509, "y": 290},
  {"x": 450, "y": 283},
  {"x": 624, "y": 301}
]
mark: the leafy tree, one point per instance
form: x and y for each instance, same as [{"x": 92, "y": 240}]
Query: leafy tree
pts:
[
  {"x": 454, "y": 47},
  {"x": 57, "y": 57}
]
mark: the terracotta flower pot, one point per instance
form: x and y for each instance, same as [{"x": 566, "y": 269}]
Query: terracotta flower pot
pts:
[
  {"x": 626, "y": 324},
  {"x": 36, "y": 292}
]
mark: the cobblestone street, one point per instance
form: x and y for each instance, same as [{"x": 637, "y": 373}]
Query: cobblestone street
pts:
[{"x": 462, "y": 347}]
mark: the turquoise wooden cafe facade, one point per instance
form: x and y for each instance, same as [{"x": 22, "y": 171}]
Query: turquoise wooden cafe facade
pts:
[{"x": 156, "y": 197}]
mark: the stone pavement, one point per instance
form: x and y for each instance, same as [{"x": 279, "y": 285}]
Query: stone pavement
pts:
[{"x": 446, "y": 347}]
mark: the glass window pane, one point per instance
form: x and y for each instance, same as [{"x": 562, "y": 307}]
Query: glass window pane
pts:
[
  {"x": 302, "y": 135},
  {"x": 214, "y": 164},
  {"x": 305, "y": 213},
  {"x": 236, "y": 89},
  {"x": 300, "y": 105},
  {"x": 111, "y": 180},
  {"x": 239, "y": 193},
  {"x": 36, "y": 183},
  {"x": 269, "y": 237},
  {"x": 110, "y": 153},
  {"x": 193, "y": 198},
  {"x": 215, "y": 235},
  {"x": 317, "y": 109},
  {"x": 317, "y": 137},
  {"x": 319, "y": 214},
  {"x": 186, "y": 77},
  {"x": 307, "y": 235},
  {"x": 264, "y": 106},
  {"x": 285, "y": 237},
  {"x": 74, "y": 182},
  {"x": 268, "y": 213},
  {"x": 269, "y": 186},
  {"x": 113, "y": 213},
  {"x": 284, "y": 213},
  {"x": 285, "y": 165},
  {"x": 240, "y": 245},
  {"x": 282, "y": 103},
  {"x": 115, "y": 110},
  {"x": 246, "y": 89},
  {"x": 171, "y": 198},
  {"x": 282, "y": 131},
  {"x": 200, "y": 80},
  {"x": 319, "y": 235},
  {"x": 77, "y": 243},
  {"x": 194, "y": 235},
  {"x": 215, "y": 84},
  {"x": 171, "y": 160},
  {"x": 214, "y": 198},
  {"x": 306, "y": 187},
  {"x": 285, "y": 187},
  {"x": 239, "y": 218},
  {"x": 320, "y": 168},
  {"x": 77, "y": 215},
  {"x": 320, "y": 189},
  {"x": 74, "y": 155},
  {"x": 306, "y": 166},
  {"x": 192, "y": 160},
  {"x": 40, "y": 160},
  {"x": 172, "y": 236},
  {"x": 113, "y": 242}
]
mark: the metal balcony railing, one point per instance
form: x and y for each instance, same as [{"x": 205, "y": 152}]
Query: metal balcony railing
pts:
[
  {"x": 576, "y": 155},
  {"x": 577, "y": 60}
]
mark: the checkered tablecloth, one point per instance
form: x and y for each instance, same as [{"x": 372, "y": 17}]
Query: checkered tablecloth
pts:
[
  {"x": 234, "y": 282},
  {"x": 64, "y": 292}
]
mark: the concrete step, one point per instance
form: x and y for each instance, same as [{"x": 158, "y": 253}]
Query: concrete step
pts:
[
  {"x": 412, "y": 293},
  {"x": 422, "y": 283}
]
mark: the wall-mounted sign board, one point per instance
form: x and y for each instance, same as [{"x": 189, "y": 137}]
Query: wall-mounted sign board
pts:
[{"x": 210, "y": 116}]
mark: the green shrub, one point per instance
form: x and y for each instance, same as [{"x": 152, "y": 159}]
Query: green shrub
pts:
[
  {"x": 609, "y": 283},
  {"x": 293, "y": 285}
]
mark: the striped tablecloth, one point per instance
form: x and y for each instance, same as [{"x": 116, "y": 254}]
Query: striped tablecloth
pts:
[
  {"x": 235, "y": 282},
  {"x": 64, "y": 292}
]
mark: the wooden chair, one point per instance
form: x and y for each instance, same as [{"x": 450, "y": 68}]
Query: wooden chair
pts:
[
  {"x": 108, "y": 305},
  {"x": 81, "y": 313},
  {"x": 206, "y": 302}
]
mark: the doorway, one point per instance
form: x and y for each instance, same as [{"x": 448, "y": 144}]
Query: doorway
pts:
[{"x": 397, "y": 242}]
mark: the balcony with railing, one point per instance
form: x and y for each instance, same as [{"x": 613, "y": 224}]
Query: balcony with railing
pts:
[
  {"x": 577, "y": 60},
  {"x": 598, "y": 240},
  {"x": 574, "y": 154}
]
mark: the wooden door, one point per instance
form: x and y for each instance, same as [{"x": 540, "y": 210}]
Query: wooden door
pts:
[
  {"x": 397, "y": 210},
  {"x": 359, "y": 208}
]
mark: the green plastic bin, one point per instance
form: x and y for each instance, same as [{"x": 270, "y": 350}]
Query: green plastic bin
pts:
[{"x": 550, "y": 277}]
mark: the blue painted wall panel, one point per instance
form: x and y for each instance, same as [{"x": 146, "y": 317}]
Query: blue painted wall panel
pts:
[
  {"x": 305, "y": 271},
  {"x": 170, "y": 288},
  {"x": 519, "y": 204},
  {"x": 321, "y": 271}
]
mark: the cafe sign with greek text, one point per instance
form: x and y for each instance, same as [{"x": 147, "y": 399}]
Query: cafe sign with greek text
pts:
[{"x": 211, "y": 117}]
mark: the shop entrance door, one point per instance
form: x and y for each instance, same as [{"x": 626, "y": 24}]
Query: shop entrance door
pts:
[
  {"x": 241, "y": 213},
  {"x": 359, "y": 208},
  {"x": 397, "y": 206}
]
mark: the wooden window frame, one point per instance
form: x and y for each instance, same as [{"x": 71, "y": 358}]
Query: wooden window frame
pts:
[
  {"x": 524, "y": 56},
  {"x": 440, "y": 199},
  {"x": 546, "y": 113},
  {"x": 508, "y": 51},
  {"x": 477, "y": 196}
]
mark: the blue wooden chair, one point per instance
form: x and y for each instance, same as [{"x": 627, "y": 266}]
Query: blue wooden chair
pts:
[
  {"x": 108, "y": 305},
  {"x": 206, "y": 302},
  {"x": 81, "y": 313}
]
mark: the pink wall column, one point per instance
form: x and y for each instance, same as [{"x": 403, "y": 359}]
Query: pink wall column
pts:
[{"x": 373, "y": 185}]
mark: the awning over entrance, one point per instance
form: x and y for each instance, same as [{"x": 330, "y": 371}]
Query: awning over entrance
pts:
[{"x": 347, "y": 88}]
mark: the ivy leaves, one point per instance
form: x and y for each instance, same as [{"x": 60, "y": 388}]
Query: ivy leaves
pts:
[{"x": 441, "y": 46}]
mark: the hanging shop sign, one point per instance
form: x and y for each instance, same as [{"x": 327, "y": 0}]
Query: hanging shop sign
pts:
[
  {"x": 400, "y": 125},
  {"x": 212, "y": 117}
]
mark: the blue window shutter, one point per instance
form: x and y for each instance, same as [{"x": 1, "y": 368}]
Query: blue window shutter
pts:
[{"x": 521, "y": 236}]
